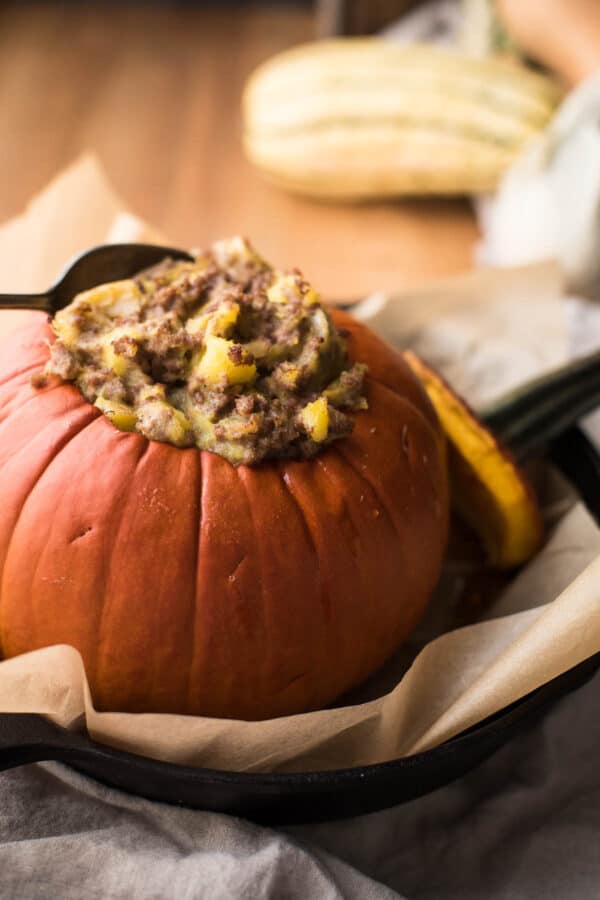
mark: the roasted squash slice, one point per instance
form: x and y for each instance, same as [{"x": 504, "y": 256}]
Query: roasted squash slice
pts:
[{"x": 488, "y": 489}]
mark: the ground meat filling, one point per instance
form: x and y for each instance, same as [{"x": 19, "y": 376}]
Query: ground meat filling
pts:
[{"x": 223, "y": 353}]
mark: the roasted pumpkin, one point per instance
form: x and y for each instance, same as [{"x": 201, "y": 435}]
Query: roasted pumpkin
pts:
[{"x": 190, "y": 585}]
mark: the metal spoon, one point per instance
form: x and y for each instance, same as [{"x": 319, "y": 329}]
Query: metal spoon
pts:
[{"x": 109, "y": 262}]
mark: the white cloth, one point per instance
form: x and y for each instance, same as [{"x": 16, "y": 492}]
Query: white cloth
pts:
[
  {"x": 524, "y": 824},
  {"x": 548, "y": 203}
]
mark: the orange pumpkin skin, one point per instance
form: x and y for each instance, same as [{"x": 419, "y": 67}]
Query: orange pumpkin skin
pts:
[{"x": 190, "y": 586}]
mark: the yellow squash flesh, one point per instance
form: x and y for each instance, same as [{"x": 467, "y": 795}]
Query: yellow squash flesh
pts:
[{"x": 489, "y": 490}]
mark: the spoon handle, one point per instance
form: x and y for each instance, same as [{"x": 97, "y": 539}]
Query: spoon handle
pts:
[
  {"x": 41, "y": 302},
  {"x": 528, "y": 418}
]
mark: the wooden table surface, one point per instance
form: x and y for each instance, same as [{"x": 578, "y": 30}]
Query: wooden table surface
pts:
[{"x": 155, "y": 92}]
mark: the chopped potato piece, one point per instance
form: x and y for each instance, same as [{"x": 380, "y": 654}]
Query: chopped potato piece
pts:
[
  {"x": 175, "y": 426},
  {"x": 219, "y": 323},
  {"x": 118, "y": 298},
  {"x": 120, "y": 414},
  {"x": 291, "y": 287},
  {"x": 218, "y": 363},
  {"x": 236, "y": 254},
  {"x": 284, "y": 289},
  {"x": 315, "y": 418},
  {"x": 113, "y": 360},
  {"x": 66, "y": 329}
]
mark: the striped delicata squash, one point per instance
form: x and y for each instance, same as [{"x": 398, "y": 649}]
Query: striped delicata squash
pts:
[{"x": 363, "y": 117}]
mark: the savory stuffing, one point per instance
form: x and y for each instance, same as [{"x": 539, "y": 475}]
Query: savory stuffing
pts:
[{"x": 224, "y": 353}]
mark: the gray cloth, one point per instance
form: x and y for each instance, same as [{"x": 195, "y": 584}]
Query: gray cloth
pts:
[{"x": 525, "y": 824}]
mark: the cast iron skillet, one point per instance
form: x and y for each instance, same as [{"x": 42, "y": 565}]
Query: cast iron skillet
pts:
[
  {"x": 314, "y": 796},
  {"x": 526, "y": 420}
]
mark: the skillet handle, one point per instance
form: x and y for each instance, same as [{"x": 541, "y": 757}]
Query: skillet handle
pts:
[
  {"x": 28, "y": 738},
  {"x": 533, "y": 415}
]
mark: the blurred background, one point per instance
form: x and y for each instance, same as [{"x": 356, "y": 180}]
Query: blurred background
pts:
[{"x": 154, "y": 90}]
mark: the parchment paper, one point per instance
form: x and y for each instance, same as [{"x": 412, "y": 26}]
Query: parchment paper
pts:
[
  {"x": 487, "y": 331},
  {"x": 545, "y": 622}
]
